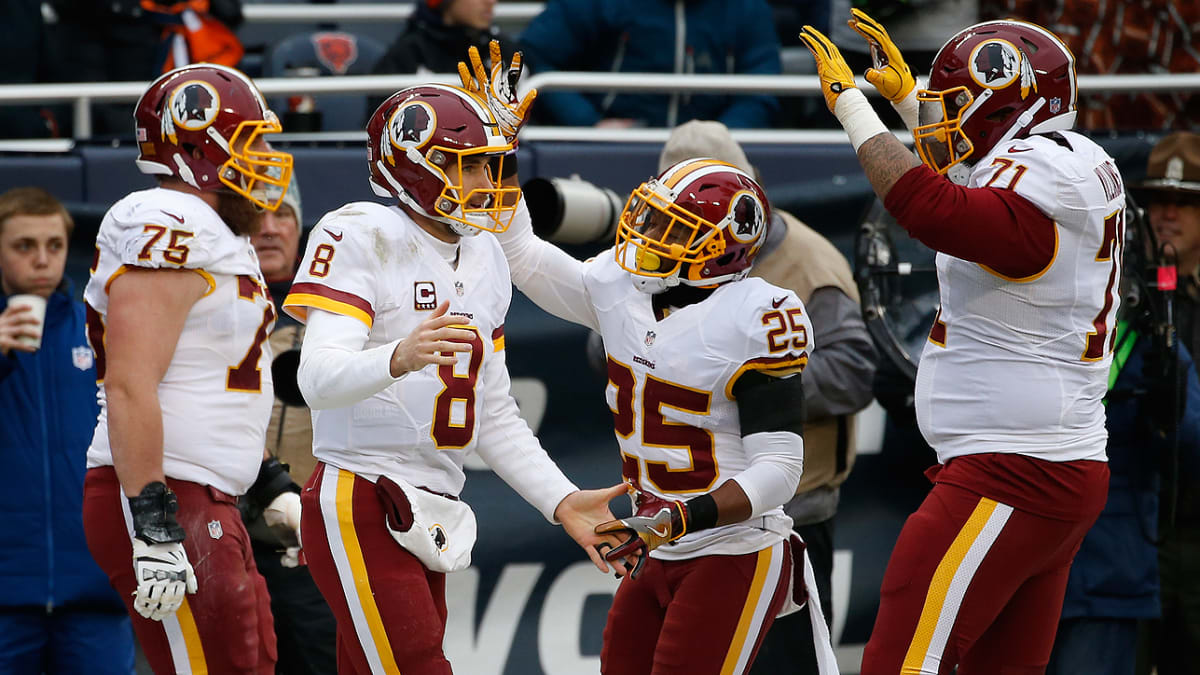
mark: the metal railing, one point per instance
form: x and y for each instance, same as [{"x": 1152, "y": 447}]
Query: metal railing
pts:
[
  {"x": 82, "y": 94},
  {"x": 506, "y": 12}
]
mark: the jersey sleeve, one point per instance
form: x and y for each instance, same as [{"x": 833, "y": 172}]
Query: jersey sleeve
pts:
[
  {"x": 146, "y": 235},
  {"x": 776, "y": 336},
  {"x": 339, "y": 270}
]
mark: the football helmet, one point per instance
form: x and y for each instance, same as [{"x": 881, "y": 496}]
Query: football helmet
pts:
[
  {"x": 993, "y": 82},
  {"x": 699, "y": 223},
  {"x": 416, "y": 142},
  {"x": 205, "y": 124}
]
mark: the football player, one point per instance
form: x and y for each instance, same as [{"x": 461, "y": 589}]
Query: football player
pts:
[
  {"x": 1028, "y": 221},
  {"x": 403, "y": 366},
  {"x": 178, "y": 316},
  {"x": 704, "y": 385}
]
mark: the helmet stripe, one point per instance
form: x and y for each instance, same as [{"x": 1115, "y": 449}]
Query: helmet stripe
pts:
[{"x": 692, "y": 168}]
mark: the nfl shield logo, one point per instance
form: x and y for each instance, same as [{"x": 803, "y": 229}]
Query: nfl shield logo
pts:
[
  {"x": 81, "y": 357},
  {"x": 458, "y": 288},
  {"x": 650, "y": 335},
  {"x": 214, "y": 529},
  {"x": 1055, "y": 105}
]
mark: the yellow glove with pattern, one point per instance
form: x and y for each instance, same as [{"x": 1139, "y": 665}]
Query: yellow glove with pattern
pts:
[
  {"x": 889, "y": 74},
  {"x": 836, "y": 76},
  {"x": 498, "y": 89}
]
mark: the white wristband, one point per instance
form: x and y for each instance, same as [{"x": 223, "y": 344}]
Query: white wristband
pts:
[
  {"x": 857, "y": 117},
  {"x": 908, "y": 109}
]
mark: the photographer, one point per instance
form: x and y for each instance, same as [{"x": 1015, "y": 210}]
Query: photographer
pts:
[{"x": 1153, "y": 419}]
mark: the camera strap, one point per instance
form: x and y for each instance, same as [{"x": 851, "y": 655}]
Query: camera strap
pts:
[{"x": 1126, "y": 338}]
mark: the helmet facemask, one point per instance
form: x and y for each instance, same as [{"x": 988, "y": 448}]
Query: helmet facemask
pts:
[
  {"x": 253, "y": 168},
  {"x": 494, "y": 205},
  {"x": 660, "y": 239},
  {"x": 939, "y": 137}
]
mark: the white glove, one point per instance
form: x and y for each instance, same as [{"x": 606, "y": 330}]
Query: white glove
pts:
[
  {"x": 284, "y": 510},
  {"x": 163, "y": 575},
  {"x": 290, "y": 557}
]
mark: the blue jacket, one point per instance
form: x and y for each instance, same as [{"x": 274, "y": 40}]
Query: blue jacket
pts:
[
  {"x": 48, "y": 410},
  {"x": 1115, "y": 573},
  {"x": 639, "y": 36}
]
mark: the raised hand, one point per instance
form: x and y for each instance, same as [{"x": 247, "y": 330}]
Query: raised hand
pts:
[
  {"x": 498, "y": 88},
  {"x": 836, "y": 76},
  {"x": 889, "y": 72},
  {"x": 581, "y": 512},
  {"x": 433, "y": 341}
]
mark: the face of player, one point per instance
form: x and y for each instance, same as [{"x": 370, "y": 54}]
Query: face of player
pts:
[
  {"x": 277, "y": 243},
  {"x": 475, "y": 176},
  {"x": 33, "y": 254},
  {"x": 475, "y": 14},
  {"x": 1175, "y": 217}
]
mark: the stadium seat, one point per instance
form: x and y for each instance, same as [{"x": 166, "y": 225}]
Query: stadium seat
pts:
[
  {"x": 327, "y": 53},
  {"x": 61, "y": 174}
]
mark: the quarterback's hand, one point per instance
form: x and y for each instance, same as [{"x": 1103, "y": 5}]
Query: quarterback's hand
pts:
[
  {"x": 580, "y": 512},
  {"x": 163, "y": 575},
  {"x": 645, "y": 533},
  {"x": 836, "y": 76},
  {"x": 433, "y": 341},
  {"x": 889, "y": 73},
  {"x": 498, "y": 89}
]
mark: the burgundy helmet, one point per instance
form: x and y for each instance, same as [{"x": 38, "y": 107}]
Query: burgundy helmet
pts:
[
  {"x": 991, "y": 83},
  {"x": 204, "y": 124},
  {"x": 416, "y": 141},
  {"x": 701, "y": 223}
]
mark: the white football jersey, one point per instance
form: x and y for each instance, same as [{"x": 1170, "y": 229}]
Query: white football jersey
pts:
[
  {"x": 1021, "y": 365},
  {"x": 217, "y": 392},
  {"x": 670, "y": 389},
  {"x": 372, "y": 262}
]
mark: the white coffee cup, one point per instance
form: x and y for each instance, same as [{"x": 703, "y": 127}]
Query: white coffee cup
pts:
[{"x": 37, "y": 309}]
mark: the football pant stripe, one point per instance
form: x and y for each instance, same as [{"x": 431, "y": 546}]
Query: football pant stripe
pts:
[
  {"x": 754, "y": 613},
  {"x": 950, "y": 582},
  {"x": 194, "y": 649},
  {"x": 337, "y": 512}
]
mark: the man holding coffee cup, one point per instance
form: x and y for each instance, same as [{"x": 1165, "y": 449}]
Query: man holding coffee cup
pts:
[{"x": 47, "y": 412}]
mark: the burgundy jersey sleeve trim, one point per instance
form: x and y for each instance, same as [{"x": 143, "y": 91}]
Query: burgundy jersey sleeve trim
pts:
[{"x": 996, "y": 228}]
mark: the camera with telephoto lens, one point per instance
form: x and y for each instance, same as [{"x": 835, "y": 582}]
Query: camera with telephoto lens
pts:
[{"x": 572, "y": 210}]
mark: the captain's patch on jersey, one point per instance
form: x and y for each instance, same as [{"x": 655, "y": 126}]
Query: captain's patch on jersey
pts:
[
  {"x": 194, "y": 105},
  {"x": 424, "y": 295}
]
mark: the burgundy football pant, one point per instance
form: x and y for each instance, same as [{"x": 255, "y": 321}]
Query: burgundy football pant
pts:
[
  {"x": 975, "y": 583},
  {"x": 226, "y": 626},
  {"x": 697, "y": 616},
  {"x": 390, "y": 609}
]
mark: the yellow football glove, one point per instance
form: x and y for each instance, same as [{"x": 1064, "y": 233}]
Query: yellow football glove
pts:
[
  {"x": 498, "y": 89},
  {"x": 836, "y": 76},
  {"x": 890, "y": 74}
]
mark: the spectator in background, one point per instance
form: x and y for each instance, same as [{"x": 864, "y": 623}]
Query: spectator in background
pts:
[
  {"x": 437, "y": 36},
  {"x": 1173, "y": 187},
  {"x": 57, "y": 612},
  {"x": 837, "y": 381},
  {"x": 25, "y": 53},
  {"x": 654, "y": 36},
  {"x": 305, "y": 630},
  {"x": 1153, "y": 411}
]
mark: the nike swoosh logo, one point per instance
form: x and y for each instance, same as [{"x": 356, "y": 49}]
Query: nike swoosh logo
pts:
[
  {"x": 662, "y": 534},
  {"x": 1014, "y": 148},
  {"x": 177, "y": 218},
  {"x": 336, "y": 237},
  {"x": 776, "y": 302}
]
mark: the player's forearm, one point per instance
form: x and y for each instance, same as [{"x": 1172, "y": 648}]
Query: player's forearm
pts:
[
  {"x": 135, "y": 433},
  {"x": 545, "y": 273},
  {"x": 335, "y": 371},
  {"x": 885, "y": 159}
]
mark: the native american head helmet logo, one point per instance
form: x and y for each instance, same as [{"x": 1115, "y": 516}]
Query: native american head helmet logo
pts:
[
  {"x": 412, "y": 125},
  {"x": 194, "y": 105},
  {"x": 747, "y": 217}
]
